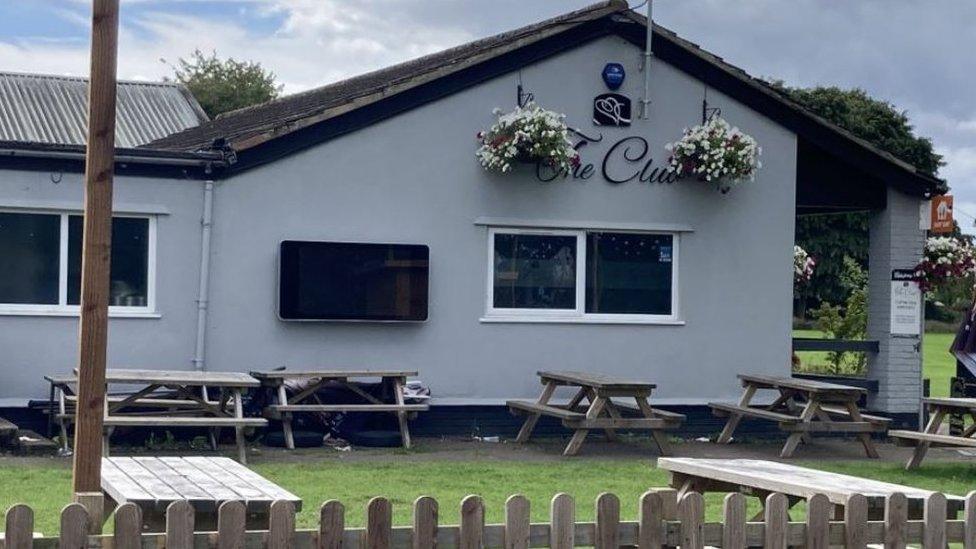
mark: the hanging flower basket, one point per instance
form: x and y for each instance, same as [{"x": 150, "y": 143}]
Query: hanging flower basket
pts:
[
  {"x": 715, "y": 152},
  {"x": 945, "y": 258},
  {"x": 803, "y": 266},
  {"x": 528, "y": 135}
]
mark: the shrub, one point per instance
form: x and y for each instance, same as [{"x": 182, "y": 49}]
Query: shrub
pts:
[{"x": 847, "y": 322}]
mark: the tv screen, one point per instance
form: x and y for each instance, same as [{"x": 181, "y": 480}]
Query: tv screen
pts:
[{"x": 353, "y": 281}]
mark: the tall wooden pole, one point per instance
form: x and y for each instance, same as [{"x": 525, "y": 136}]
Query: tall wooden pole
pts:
[{"x": 96, "y": 248}]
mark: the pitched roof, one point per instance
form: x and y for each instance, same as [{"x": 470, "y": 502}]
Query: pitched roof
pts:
[
  {"x": 249, "y": 126},
  {"x": 324, "y": 112},
  {"x": 36, "y": 108}
]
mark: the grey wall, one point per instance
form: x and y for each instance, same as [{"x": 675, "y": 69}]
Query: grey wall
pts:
[
  {"x": 415, "y": 179},
  {"x": 32, "y": 346}
]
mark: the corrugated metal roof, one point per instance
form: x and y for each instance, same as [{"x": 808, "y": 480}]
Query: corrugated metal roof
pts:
[{"x": 54, "y": 109}]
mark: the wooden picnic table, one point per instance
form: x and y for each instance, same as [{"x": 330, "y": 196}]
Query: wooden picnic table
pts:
[
  {"x": 307, "y": 400},
  {"x": 760, "y": 478},
  {"x": 939, "y": 410},
  {"x": 601, "y": 412},
  {"x": 803, "y": 407},
  {"x": 153, "y": 483},
  {"x": 162, "y": 398}
]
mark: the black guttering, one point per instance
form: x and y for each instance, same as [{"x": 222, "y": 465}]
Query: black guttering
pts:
[{"x": 128, "y": 161}]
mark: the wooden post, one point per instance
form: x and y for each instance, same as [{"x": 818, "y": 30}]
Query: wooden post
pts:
[{"x": 96, "y": 247}]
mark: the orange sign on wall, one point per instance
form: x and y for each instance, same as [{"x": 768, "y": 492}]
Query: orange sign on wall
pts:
[{"x": 942, "y": 214}]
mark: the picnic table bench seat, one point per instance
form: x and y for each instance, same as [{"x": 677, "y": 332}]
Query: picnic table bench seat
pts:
[
  {"x": 141, "y": 402},
  {"x": 169, "y": 421},
  {"x": 275, "y": 411},
  {"x": 621, "y": 405},
  {"x": 724, "y": 409},
  {"x": 912, "y": 438},
  {"x": 560, "y": 412},
  {"x": 841, "y": 412}
]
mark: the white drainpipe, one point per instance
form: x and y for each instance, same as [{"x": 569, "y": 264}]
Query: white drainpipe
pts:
[
  {"x": 204, "y": 290},
  {"x": 645, "y": 103}
]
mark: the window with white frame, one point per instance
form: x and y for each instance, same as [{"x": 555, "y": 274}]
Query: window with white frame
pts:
[
  {"x": 582, "y": 275},
  {"x": 40, "y": 263}
]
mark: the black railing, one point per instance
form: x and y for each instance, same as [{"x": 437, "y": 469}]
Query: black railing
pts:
[{"x": 835, "y": 345}]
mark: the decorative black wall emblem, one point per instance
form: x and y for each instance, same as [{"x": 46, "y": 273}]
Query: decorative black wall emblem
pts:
[{"x": 611, "y": 109}]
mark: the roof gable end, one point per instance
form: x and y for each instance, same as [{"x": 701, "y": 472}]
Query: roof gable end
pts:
[{"x": 263, "y": 133}]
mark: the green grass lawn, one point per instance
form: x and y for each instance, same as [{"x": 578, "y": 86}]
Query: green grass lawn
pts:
[
  {"x": 47, "y": 487},
  {"x": 937, "y": 364}
]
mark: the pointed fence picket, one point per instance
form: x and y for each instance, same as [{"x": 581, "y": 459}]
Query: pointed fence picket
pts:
[{"x": 663, "y": 521}]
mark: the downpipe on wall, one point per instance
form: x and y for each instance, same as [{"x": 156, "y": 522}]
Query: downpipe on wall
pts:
[
  {"x": 645, "y": 102},
  {"x": 203, "y": 294}
]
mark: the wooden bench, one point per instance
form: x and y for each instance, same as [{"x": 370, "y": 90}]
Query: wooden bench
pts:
[
  {"x": 275, "y": 410},
  {"x": 911, "y": 438},
  {"x": 545, "y": 409},
  {"x": 150, "y": 421},
  {"x": 939, "y": 409},
  {"x": 307, "y": 400},
  {"x": 750, "y": 411},
  {"x": 601, "y": 412},
  {"x": 803, "y": 407},
  {"x": 835, "y": 411}
]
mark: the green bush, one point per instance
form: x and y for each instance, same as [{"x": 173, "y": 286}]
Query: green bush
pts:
[{"x": 847, "y": 322}]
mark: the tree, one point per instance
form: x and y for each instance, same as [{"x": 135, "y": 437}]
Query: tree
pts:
[
  {"x": 829, "y": 238},
  {"x": 223, "y": 85},
  {"x": 874, "y": 120}
]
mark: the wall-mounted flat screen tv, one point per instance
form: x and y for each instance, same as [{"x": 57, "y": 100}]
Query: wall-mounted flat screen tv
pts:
[{"x": 353, "y": 281}]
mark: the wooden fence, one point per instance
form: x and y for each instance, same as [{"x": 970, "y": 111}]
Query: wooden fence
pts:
[{"x": 663, "y": 521}]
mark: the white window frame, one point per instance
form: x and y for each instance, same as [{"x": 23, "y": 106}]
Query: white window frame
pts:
[
  {"x": 578, "y": 314},
  {"x": 62, "y": 308}
]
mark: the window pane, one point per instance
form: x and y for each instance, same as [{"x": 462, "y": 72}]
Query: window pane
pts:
[
  {"x": 535, "y": 272},
  {"x": 629, "y": 273},
  {"x": 29, "y": 250},
  {"x": 130, "y": 261}
]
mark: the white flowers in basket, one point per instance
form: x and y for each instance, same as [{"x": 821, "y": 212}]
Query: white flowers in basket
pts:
[
  {"x": 803, "y": 266},
  {"x": 715, "y": 152},
  {"x": 532, "y": 135}
]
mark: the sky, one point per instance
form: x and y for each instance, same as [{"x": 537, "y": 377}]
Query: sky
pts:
[{"x": 917, "y": 55}]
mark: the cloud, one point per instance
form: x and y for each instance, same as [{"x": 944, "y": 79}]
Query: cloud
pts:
[{"x": 916, "y": 55}]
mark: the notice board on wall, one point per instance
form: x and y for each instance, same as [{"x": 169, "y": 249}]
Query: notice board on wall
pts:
[{"x": 906, "y": 303}]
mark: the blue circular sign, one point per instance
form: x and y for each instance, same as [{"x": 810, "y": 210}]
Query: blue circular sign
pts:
[{"x": 613, "y": 75}]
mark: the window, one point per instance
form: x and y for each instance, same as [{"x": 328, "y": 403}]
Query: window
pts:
[
  {"x": 535, "y": 271},
  {"x": 41, "y": 268},
  {"x": 582, "y": 275}
]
